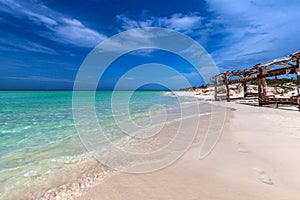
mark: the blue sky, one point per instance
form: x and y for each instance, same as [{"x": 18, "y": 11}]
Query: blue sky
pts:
[{"x": 43, "y": 43}]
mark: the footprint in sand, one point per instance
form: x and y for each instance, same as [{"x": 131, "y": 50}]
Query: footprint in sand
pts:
[
  {"x": 296, "y": 135},
  {"x": 262, "y": 177},
  {"x": 243, "y": 150}
]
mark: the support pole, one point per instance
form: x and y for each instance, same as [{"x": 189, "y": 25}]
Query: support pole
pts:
[
  {"x": 263, "y": 82},
  {"x": 216, "y": 88},
  {"x": 245, "y": 86},
  {"x": 259, "y": 80},
  {"x": 261, "y": 86},
  {"x": 298, "y": 82},
  {"x": 227, "y": 87}
]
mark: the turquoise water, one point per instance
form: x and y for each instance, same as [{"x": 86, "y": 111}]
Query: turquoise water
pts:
[{"x": 38, "y": 136}]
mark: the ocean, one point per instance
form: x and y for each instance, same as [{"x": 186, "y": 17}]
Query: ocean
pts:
[{"x": 40, "y": 149}]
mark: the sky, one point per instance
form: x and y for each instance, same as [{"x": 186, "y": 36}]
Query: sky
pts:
[{"x": 43, "y": 43}]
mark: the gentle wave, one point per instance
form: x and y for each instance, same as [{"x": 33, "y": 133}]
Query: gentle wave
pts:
[{"x": 40, "y": 148}]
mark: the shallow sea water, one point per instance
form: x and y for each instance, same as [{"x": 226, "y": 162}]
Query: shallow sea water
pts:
[{"x": 40, "y": 149}]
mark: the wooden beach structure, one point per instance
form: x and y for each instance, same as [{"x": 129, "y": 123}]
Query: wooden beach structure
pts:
[{"x": 281, "y": 66}]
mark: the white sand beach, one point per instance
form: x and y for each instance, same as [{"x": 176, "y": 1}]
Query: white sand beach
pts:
[{"x": 257, "y": 157}]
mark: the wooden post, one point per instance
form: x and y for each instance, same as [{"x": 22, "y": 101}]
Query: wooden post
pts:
[
  {"x": 227, "y": 87},
  {"x": 245, "y": 88},
  {"x": 261, "y": 86},
  {"x": 298, "y": 81},
  {"x": 259, "y": 80},
  {"x": 263, "y": 82},
  {"x": 245, "y": 85},
  {"x": 216, "y": 88}
]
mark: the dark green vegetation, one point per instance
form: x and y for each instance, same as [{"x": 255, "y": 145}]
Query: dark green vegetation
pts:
[
  {"x": 277, "y": 82},
  {"x": 203, "y": 86}
]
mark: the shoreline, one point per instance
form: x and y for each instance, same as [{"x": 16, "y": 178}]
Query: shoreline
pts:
[
  {"x": 249, "y": 162},
  {"x": 48, "y": 154},
  {"x": 89, "y": 180}
]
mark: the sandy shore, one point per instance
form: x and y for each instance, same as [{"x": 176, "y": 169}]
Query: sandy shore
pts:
[{"x": 257, "y": 157}]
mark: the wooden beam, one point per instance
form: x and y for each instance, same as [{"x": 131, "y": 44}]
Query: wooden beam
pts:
[
  {"x": 264, "y": 85},
  {"x": 263, "y": 81},
  {"x": 298, "y": 81},
  {"x": 216, "y": 89},
  {"x": 241, "y": 80},
  {"x": 259, "y": 87},
  {"x": 227, "y": 87},
  {"x": 281, "y": 71},
  {"x": 245, "y": 85}
]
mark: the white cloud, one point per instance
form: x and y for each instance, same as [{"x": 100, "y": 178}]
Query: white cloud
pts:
[
  {"x": 40, "y": 19},
  {"x": 11, "y": 44},
  {"x": 127, "y": 23},
  {"x": 72, "y": 31},
  {"x": 254, "y": 31},
  {"x": 180, "y": 22},
  {"x": 185, "y": 23},
  {"x": 35, "y": 47},
  {"x": 58, "y": 27}
]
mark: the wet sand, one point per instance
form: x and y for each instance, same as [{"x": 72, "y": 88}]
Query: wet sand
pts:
[{"x": 257, "y": 157}]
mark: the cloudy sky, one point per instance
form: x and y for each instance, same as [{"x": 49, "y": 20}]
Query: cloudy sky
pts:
[{"x": 44, "y": 42}]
